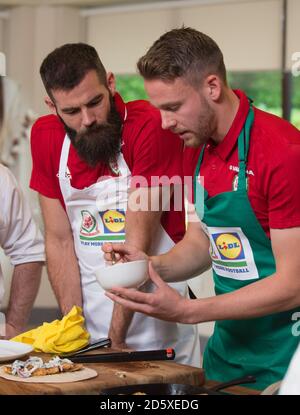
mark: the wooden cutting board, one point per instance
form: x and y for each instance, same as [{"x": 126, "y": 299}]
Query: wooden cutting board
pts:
[{"x": 111, "y": 375}]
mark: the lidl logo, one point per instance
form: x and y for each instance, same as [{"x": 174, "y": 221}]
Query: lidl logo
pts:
[
  {"x": 113, "y": 221},
  {"x": 229, "y": 246}
]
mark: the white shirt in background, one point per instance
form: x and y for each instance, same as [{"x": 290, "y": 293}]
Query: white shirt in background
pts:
[{"x": 20, "y": 237}]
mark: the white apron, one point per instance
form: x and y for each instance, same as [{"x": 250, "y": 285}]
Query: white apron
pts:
[
  {"x": 97, "y": 215},
  {"x": 1, "y": 287}
]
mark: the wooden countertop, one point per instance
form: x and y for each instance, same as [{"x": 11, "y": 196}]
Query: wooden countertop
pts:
[
  {"x": 110, "y": 375},
  {"x": 118, "y": 374}
]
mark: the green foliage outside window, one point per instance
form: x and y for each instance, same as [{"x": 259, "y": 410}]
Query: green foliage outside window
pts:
[
  {"x": 296, "y": 102},
  {"x": 265, "y": 90},
  {"x": 263, "y": 87},
  {"x": 131, "y": 87}
]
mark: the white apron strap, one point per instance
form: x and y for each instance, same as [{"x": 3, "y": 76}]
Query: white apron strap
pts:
[
  {"x": 64, "y": 179},
  {"x": 123, "y": 167},
  {"x": 64, "y": 158}
]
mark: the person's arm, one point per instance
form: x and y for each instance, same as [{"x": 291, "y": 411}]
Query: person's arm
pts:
[
  {"x": 187, "y": 259},
  {"x": 276, "y": 293},
  {"x": 62, "y": 265},
  {"x": 141, "y": 227},
  {"x": 24, "y": 288}
]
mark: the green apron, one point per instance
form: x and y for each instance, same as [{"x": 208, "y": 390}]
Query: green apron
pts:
[{"x": 242, "y": 254}]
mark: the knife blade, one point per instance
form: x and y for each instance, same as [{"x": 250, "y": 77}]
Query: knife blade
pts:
[
  {"x": 104, "y": 342},
  {"x": 163, "y": 354}
]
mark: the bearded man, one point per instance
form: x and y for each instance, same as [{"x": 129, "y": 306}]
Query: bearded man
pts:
[{"x": 88, "y": 157}]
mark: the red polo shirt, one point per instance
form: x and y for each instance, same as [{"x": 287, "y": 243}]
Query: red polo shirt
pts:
[
  {"x": 272, "y": 167},
  {"x": 147, "y": 149}
]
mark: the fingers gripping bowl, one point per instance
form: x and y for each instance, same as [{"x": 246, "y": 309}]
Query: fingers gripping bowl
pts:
[{"x": 126, "y": 274}]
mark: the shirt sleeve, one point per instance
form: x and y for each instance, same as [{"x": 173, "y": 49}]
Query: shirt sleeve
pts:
[
  {"x": 157, "y": 154},
  {"x": 45, "y": 160},
  {"x": 20, "y": 237}
]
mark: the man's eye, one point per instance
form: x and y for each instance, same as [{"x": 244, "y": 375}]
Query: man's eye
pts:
[
  {"x": 94, "y": 103},
  {"x": 71, "y": 112}
]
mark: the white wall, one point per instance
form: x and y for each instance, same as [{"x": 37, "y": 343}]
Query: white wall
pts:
[
  {"x": 293, "y": 30},
  {"x": 122, "y": 38},
  {"x": 32, "y": 33},
  {"x": 1, "y": 34},
  {"x": 248, "y": 32}
]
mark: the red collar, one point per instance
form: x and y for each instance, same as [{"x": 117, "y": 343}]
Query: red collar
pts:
[{"x": 227, "y": 145}]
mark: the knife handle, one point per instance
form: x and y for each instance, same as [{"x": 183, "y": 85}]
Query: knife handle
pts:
[{"x": 163, "y": 354}]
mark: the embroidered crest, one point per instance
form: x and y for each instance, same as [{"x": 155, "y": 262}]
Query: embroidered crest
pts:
[
  {"x": 114, "y": 167},
  {"x": 235, "y": 183},
  {"x": 89, "y": 227}
]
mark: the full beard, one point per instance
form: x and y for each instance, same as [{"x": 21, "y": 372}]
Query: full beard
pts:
[{"x": 99, "y": 143}]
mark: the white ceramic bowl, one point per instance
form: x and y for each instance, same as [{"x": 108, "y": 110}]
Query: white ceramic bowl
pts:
[{"x": 127, "y": 274}]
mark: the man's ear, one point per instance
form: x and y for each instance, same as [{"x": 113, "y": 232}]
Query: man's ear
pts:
[
  {"x": 50, "y": 105},
  {"x": 213, "y": 87},
  {"x": 111, "y": 82}
]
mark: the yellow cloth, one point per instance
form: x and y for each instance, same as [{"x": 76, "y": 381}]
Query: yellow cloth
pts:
[{"x": 59, "y": 336}]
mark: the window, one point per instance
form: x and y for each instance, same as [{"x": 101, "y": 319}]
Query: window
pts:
[{"x": 264, "y": 87}]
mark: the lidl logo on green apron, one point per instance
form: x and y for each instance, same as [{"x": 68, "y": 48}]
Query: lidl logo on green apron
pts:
[
  {"x": 229, "y": 246},
  {"x": 231, "y": 253}
]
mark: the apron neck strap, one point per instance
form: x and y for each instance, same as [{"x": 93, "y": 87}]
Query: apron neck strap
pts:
[
  {"x": 243, "y": 149},
  {"x": 198, "y": 169}
]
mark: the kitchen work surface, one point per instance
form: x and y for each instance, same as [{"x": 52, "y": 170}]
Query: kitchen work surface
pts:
[{"x": 109, "y": 375}]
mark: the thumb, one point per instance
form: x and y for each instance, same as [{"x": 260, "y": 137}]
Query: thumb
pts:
[
  {"x": 154, "y": 276},
  {"x": 107, "y": 247},
  {"x": 122, "y": 248}
]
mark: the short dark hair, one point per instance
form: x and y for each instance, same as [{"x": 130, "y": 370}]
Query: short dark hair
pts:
[
  {"x": 183, "y": 52},
  {"x": 66, "y": 66}
]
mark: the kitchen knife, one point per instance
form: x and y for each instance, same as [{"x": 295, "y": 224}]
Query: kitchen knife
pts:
[
  {"x": 104, "y": 342},
  {"x": 163, "y": 354}
]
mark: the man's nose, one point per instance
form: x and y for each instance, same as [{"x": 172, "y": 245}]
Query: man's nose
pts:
[
  {"x": 88, "y": 117},
  {"x": 167, "y": 120}
]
